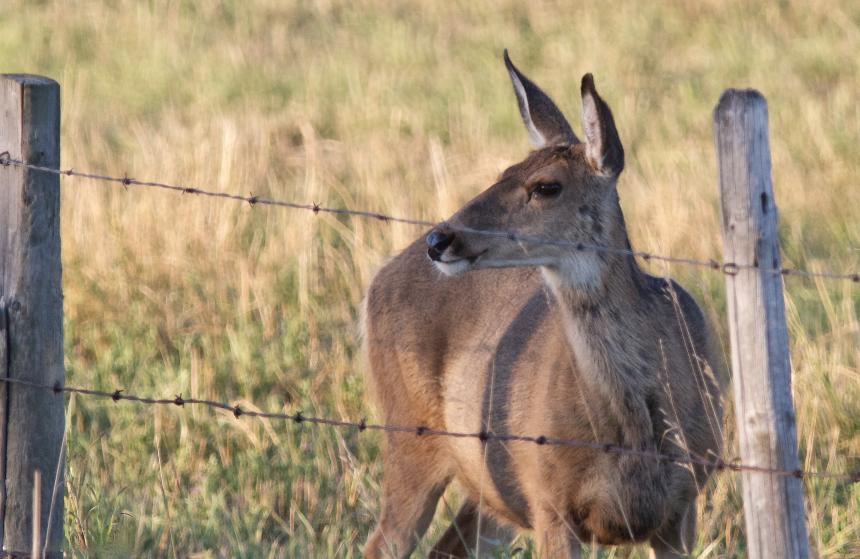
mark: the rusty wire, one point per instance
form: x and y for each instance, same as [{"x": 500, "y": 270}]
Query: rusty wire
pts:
[
  {"x": 727, "y": 268},
  {"x": 127, "y": 181},
  {"x": 423, "y": 431}
]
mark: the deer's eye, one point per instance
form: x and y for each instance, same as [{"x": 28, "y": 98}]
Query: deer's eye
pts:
[{"x": 547, "y": 190}]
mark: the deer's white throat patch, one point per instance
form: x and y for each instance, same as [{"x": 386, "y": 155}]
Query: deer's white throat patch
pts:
[{"x": 581, "y": 271}]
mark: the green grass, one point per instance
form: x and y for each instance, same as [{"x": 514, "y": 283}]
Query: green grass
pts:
[{"x": 404, "y": 109}]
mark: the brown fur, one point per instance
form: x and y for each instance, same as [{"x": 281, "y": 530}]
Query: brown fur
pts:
[{"x": 541, "y": 339}]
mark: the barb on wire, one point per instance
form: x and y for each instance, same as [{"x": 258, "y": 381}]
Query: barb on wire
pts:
[
  {"x": 252, "y": 200},
  {"x": 727, "y": 268},
  {"x": 423, "y": 431}
]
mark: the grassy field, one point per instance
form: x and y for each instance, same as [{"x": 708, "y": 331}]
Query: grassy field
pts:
[{"x": 404, "y": 109}]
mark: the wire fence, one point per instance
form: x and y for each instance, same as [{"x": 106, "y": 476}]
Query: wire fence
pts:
[
  {"x": 363, "y": 425},
  {"x": 728, "y": 268},
  {"x": 679, "y": 456}
]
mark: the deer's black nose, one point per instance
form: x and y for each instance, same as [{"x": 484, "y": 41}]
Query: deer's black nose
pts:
[{"x": 437, "y": 241}]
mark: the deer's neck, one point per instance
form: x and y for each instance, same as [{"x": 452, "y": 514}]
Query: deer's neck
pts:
[{"x": 603, "y": 323}]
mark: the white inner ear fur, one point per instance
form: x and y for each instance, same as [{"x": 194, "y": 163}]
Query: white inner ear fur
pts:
[
  {"x": 536, "y": 139},
  {"x": 591, "y": 127}
]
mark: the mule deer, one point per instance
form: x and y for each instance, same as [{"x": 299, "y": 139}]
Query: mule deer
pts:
[{"x": 546, "y": 339}]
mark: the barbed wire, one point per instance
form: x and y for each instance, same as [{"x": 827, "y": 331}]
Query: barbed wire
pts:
[
  {"x": 127, "y": 181},
  {"x": 727, "y": 268},
  {"x": 423, "y": 431}
]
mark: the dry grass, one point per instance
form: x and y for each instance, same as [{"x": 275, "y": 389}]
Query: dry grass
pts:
[{"x": 407, "y": 110}]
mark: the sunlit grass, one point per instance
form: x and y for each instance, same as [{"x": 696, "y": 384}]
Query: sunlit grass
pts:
[{"x": 407, "y": 110}]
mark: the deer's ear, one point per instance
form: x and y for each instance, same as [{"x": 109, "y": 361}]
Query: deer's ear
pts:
[
  {"x": 545, "y": 123},
  {"x": 603, "y": 146}
]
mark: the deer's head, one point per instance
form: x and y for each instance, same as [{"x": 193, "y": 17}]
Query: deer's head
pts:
[{"x": 563, "y": 191}]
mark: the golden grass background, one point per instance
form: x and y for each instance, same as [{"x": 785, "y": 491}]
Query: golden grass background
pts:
[{"x": 403, "y": 108}]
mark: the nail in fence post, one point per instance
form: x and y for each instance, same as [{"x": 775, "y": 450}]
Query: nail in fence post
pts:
[
  {"x": 761, "y": 365},
  {"x": 31, "y": 420}
]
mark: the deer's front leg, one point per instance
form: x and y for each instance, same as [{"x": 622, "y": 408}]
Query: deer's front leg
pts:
[
  {"x": 677, "y": 537},
  {"x": 414, "y": 478},
  {"x": 555, "y": 537}
]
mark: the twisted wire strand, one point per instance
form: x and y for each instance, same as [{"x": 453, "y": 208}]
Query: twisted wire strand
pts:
[
  {"x": 727, "y": 268},
  {"x": 423, "y": 431}
]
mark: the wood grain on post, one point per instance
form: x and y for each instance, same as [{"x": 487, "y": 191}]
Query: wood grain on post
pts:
[
  {"x": 31, "y": 420},
  {"x": 761, "y": 365}
]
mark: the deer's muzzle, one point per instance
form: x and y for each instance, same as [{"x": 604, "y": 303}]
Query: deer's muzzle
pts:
[{"x": 437, "y": 241}]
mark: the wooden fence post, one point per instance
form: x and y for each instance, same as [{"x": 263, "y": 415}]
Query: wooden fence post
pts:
[
  {"x": 31, "y": 420},
  {"x": 761, "y": 365}
]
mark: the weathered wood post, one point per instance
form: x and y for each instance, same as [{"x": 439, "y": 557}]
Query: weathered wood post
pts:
[
  {"x": 761, "y": 365},
  {"x": 31, "y": 311}
]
